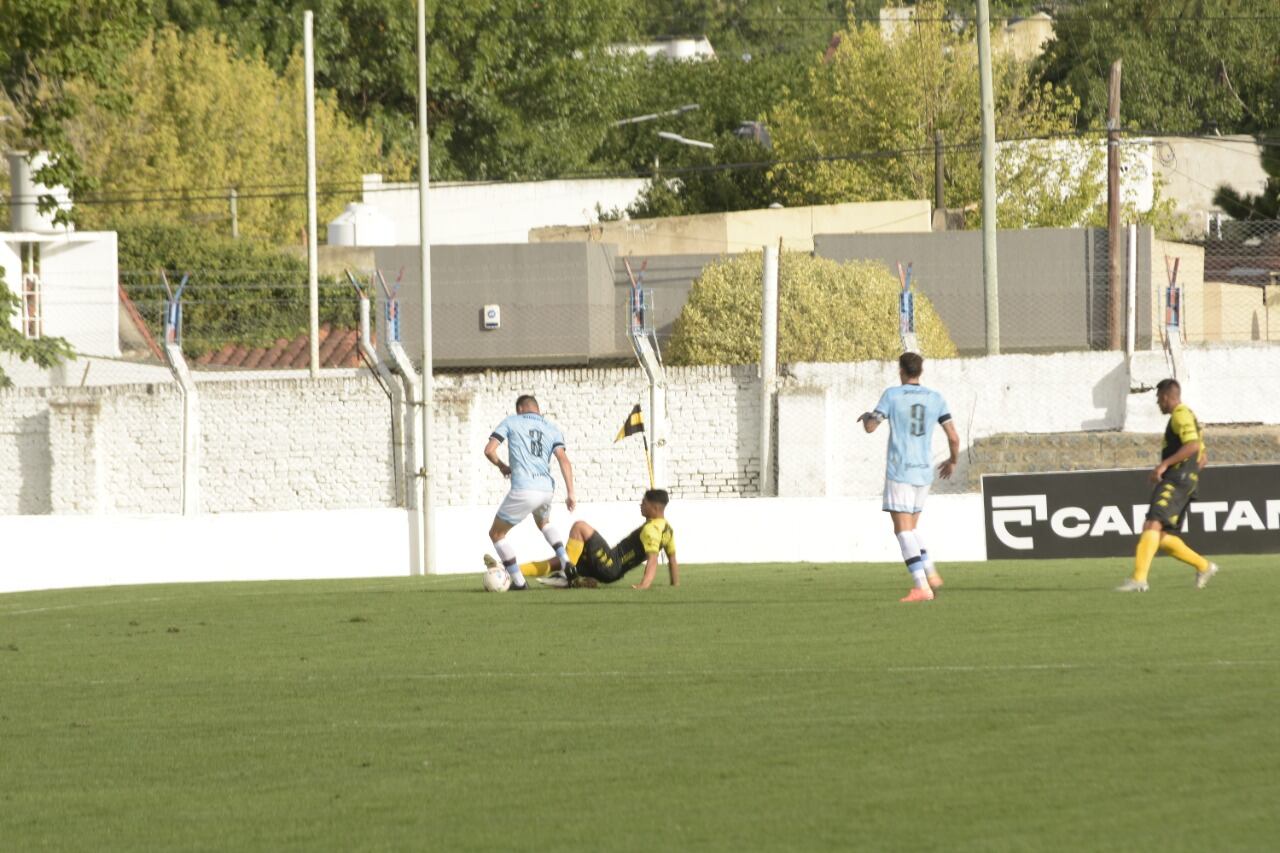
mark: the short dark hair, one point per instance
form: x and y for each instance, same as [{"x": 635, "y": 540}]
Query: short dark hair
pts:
[
  {"x": 524, "y": 399},
  {"x": 911, "y": 363},
  {"x": 657, "y": 496},
  {"x": 1165, "y": 384}
]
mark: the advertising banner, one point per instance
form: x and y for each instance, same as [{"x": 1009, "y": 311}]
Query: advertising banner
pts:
[{"x": 1099, "y": 513}]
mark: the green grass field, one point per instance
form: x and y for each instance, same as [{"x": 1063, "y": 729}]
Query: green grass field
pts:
[{"x": 795, "y": 707}]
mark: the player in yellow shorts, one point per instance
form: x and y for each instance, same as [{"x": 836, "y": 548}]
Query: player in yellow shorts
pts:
[
  {"x": 593, "y": 561},
  {"x": 1176, "y": 478}
]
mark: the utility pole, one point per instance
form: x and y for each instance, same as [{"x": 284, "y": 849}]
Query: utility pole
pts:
[
  {"x": 1115, "y": 307},
  {"x": 427, "y": 471},
  {"x": 313, "y": 280},
  {"x": 939, "y": 205},
  {"x": 989, "y": 276},
  {"x": 235, "y": 215}
]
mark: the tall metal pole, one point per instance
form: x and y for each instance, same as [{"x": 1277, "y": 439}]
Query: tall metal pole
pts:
[
  {"x": 939, "y": 203},
  {"x": 427, "y": 501},
  {"x": 313, "y": 268},
  {"x": 1114, "y": 280},
  {"x": 768, "y": 364},
  {"x": 989, "y": 277},
  {"x": 235, "y": 216}
]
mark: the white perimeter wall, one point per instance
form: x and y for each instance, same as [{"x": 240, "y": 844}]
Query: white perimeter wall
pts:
[{"x": 294, "y": 471}]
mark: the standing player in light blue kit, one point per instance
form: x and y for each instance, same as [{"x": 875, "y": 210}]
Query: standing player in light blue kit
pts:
[
  {"x": 531, "y": 442},
  {"x": 912, "y": 411}
]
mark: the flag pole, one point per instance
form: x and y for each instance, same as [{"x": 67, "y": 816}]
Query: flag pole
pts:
[{"x": 647, "y": 458}]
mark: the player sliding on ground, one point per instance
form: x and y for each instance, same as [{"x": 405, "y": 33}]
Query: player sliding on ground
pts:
[
  {"x": 1182, "y": 456},
  {"x": 592, "y": 561},
  {"x": 912, "y": 412}
]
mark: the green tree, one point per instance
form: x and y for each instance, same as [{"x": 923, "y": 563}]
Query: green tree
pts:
[
  {"x": 240, "y": 292},
  {"x": 729, "y": 92},
  {"x": 1189, "y": 65},
  {"x": 43, "y": 351},
  {"x": 518, "y": 90},
  {"x": 827, "y": 311},
  {"x": 46, "y": 44},
  {"x": 202, "y": 120},
  {"x": 865, "y": 132}
]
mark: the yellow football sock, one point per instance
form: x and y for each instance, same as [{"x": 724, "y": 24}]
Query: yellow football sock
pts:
[
  {"x": 1148, "y": 544},
  {"x": 536, "y": 569},
  {"x": 542, "y": 568},
  {"x": 1176, "y": 548}
]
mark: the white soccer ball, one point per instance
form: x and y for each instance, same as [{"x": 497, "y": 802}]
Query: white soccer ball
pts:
[{"x": 497, "y": 580}]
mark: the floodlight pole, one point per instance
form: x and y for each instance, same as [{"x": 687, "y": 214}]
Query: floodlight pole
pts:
[
  {"x": 989, "y": 276},
  {"x": 313, "y": 275},
  {"x": 426, "y": 536},
  {"x": 768, "y": 364}
]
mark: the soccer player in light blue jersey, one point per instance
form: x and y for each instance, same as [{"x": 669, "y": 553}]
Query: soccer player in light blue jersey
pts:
[
  {"x": 912, "y": 411},
  {"x": 531, "y": 441}
]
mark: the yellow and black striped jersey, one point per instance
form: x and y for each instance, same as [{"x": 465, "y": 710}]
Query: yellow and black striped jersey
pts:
[
  {"x": 654, "y": 535},
  {"x": 1182, "y": 429}
]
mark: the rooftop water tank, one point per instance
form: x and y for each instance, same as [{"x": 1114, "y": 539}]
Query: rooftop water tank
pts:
[
  {"x": 24, "y": 194},
  {"x": 362, "y": 225}
]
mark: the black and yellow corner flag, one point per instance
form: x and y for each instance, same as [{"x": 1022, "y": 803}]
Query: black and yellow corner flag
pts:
[{"x": 632, "y": 425}]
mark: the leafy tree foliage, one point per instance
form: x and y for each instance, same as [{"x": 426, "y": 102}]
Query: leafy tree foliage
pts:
[
  {"x": 240, "y": 292},
  {"x": 44, "y": 44},
  {"x": 827, "y": 311},
  {"x": 517, "y": 89},
  {"x": 43, "y": 351},
  {"x": 729, "y": 92},
  {"x": 1189, "y": 65},
  {"x": 866, "y": 131},
  {"x": 201, "y": 120}
]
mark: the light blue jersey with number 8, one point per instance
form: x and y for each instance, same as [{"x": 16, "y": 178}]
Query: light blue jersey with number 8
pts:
[
  {"x": 912, "y": 412},
  {"x": 531, "y": 440}
]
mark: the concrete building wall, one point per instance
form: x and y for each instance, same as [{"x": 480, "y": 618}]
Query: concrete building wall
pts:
[
  {"x": 745, "y": 231},
  {"x": 1052, "y": 282},
  {"x": 556, "y": 303},
  {"x": 1193, "y": 168},
  {"x": 78, "y": 286},
  {"x": 482, "y": 213}
]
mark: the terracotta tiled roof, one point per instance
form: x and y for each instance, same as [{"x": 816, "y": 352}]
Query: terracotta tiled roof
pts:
[{"x": 338, "y": 348}]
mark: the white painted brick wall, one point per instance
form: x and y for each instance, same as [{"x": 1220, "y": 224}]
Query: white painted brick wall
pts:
[
  {"x": 25, "y": 464},
  {"x": 290, "y": 443}
]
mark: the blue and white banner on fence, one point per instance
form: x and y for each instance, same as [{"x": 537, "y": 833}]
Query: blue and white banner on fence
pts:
[{"x": 1098, "y": 513}]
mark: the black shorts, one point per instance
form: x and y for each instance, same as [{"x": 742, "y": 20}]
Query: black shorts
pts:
[
  {"x": 599, "y": 560},
  {"x": 1170, "y": 497}
]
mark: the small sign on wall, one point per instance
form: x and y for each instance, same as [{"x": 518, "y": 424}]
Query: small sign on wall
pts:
[{"x": 491, "y": 317}]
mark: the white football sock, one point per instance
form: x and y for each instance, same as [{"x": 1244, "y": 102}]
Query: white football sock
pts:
[
  {"x": 507, "y": 555},
  {"x": 552, "y": 534},
  {"x": 924, "y": 555},
  {"x": 911, "y": 556}
]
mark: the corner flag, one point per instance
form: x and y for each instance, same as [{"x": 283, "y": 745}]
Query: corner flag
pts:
[{"x": 632, "y": 425}]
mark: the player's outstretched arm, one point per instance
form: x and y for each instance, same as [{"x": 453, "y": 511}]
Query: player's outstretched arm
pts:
[
  {"x": 650, "y": 572},
  {"x": 946, "y": 469},
  {"x": 674, "y": 568},
  {"x": 566, "y": 470},
  {"x": 491, "y": 453}
]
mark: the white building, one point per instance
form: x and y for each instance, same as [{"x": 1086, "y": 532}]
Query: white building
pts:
[
  {"x": 66, "y": 280},
  {"x": 470, "y": 213}
]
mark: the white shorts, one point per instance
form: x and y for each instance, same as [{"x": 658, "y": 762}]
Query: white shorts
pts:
[
  {"x": 904, "y": 497},
  {"x": 518, "y": 503}
]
